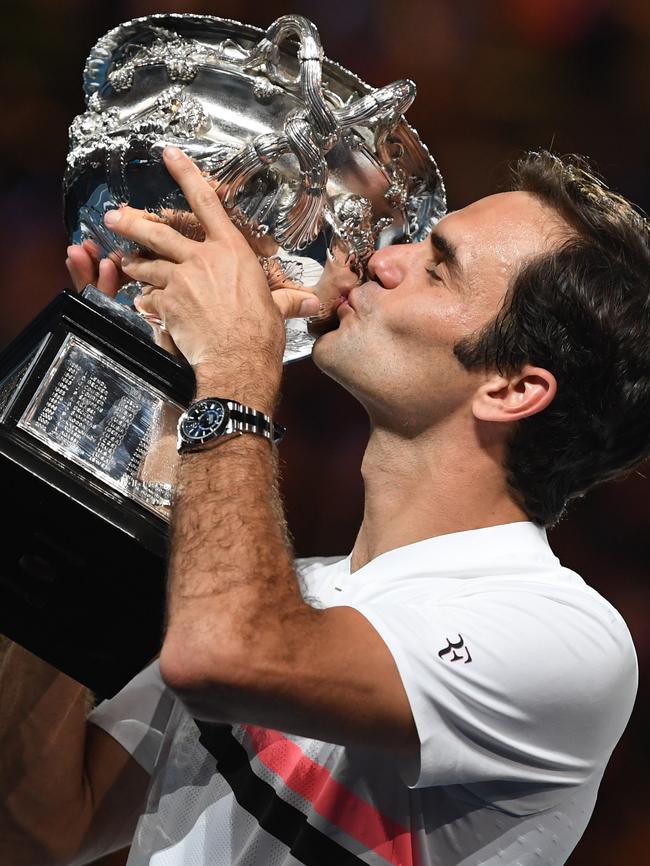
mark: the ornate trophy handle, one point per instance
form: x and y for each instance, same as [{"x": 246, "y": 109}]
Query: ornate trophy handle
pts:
[
  {"x": 308, "y": 134},
  {"x": 309, "y": 80}
]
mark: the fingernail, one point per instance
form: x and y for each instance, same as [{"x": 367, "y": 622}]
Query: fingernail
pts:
[
  {"x": 112, "y": 216},
  {"x": 309, "y": 307},
  {"x": 127, "y": 260},
  {"x": 172, "y": 152}
]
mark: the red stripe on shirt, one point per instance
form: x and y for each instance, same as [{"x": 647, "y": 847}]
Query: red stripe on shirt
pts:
[{"x": 331, "y": 799}]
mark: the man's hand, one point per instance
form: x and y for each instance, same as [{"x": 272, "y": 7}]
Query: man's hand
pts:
[
  {"x": 86, "y": 267},
  {"x": 212, "y": 295}
]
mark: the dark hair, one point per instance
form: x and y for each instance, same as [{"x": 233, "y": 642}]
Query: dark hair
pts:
[{"x": 581, "y": 311}]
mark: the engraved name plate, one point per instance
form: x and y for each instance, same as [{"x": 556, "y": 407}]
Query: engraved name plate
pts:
[{"x": 95, "y": 413}]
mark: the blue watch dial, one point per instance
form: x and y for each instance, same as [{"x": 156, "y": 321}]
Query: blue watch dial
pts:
[{"x": 205, "y": 420}]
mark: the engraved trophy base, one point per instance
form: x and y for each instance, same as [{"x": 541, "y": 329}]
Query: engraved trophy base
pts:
[{"x": 85, "y": 401}]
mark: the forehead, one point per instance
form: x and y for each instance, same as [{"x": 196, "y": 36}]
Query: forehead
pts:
[{"x": 494, "y": 234}]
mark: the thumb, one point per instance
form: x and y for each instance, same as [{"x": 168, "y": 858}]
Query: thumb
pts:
[{"x": 294, "y": 303}]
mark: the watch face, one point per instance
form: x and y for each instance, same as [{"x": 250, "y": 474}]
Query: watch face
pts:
[{"x": 205, "y": 420}]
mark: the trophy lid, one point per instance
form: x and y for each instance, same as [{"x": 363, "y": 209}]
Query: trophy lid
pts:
[{"x": 302, "y": 150}]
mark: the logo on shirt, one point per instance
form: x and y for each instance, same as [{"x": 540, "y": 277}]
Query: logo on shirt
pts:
[{"x": 458, "y": 650}]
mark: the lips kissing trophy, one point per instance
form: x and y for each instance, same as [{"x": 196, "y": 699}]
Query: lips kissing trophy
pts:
[{"x": 312, "y": 164}]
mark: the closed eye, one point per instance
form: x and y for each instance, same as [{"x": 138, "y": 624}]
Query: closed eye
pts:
[{"x": 431, "y": 270}]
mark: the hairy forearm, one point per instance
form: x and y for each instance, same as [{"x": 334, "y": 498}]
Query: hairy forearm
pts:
[
  {"x": 42, "y": 740},
  {"x": 232, "y": 589}
]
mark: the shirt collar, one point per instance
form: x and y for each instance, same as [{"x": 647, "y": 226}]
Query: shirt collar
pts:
[{"x": 509, "y": 548}]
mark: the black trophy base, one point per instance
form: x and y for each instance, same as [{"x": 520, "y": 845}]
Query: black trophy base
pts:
[
  {"x": 73, "y": 591},
  {"x": 82, "y": 563}
]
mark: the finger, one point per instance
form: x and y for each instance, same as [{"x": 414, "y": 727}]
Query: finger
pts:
[
  {"x": 202, "y": 199},
  {"x": 293, "y": 303},
  {"x": 336, "y": 278},
  {"x": 77, "y": 282},
  {"x": 81, "y": 267},
  {"x": 157, "y": 272},
  {"x": 151, "y": 305},
  {"x": 155, "y": 235},
  {"x": 92, "y": 248},
  {"x": 96, "y": 254},
  {"x": 164, "y": 340},
  {"x": 335, "y": 283},
  {"x": 109, "y": 278}
]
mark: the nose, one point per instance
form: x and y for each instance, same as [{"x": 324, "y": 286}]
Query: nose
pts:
[{"x": 390, "y": 264}]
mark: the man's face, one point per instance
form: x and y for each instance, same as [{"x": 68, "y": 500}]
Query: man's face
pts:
[{"x": 393, "y": 348}]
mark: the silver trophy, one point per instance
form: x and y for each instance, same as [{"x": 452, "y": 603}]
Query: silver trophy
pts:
[
  {"x": 310, "y": 161},
  {"x": 313, "y": 165}
]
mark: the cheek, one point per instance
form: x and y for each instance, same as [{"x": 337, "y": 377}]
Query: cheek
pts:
[
  {"x": 413, "y": 353},
  {"x": 429, "y": 324}
]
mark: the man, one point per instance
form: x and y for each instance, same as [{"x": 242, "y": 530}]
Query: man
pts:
[{"x": 448, "y": 693}]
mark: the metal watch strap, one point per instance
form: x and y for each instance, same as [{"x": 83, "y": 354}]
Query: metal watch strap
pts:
[{"x": 244, "y": 419}]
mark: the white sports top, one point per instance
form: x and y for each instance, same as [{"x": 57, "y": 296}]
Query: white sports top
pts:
[{"x": 521, "y": 680}]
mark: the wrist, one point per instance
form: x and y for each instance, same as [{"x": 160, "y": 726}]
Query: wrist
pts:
[{"x": 262, "y": 394}]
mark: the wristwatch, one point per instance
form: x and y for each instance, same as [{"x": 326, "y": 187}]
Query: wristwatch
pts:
[{"x": 212, "y": 420}]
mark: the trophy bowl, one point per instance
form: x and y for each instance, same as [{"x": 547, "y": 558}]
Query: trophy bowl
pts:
[{"x": 309, "y": 160}]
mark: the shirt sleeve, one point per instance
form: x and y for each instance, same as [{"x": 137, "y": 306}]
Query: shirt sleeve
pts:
[
  {"x": 137, "y": 715},
  {"x": 510, "y": 685}
]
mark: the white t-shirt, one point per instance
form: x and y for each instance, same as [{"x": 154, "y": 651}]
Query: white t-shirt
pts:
[{"x": 521, "y": 680}]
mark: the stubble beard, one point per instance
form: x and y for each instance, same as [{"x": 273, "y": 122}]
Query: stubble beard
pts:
[{"x": 341, "y": 358}]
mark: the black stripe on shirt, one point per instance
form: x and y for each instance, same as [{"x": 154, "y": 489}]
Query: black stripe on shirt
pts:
[{"x": 288, "y": 824}]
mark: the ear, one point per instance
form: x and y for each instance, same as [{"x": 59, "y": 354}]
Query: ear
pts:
[{"x": 513, "y": 398}]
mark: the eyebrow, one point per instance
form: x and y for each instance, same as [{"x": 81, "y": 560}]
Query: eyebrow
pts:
[{"x": 448, "y": 250}]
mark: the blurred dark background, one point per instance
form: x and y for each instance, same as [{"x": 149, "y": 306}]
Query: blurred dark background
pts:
[{"x": 494, "y": 77}]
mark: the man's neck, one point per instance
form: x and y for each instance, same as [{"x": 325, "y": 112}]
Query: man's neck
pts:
[{"x": 428, "y": 486}]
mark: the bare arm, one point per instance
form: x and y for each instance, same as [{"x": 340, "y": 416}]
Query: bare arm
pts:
[
  {"x": 240, "y": 643},
  {"x": 68, "y": 791}
]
